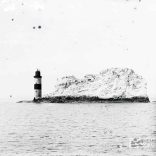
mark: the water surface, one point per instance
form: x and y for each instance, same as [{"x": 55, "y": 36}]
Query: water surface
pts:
[{"x": 84, "y": 129}]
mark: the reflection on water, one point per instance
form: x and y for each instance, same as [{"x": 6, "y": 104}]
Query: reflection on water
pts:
[{"x": 84, "y": 129}]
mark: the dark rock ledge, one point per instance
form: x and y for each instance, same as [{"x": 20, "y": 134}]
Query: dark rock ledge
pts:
[{"x": 87, "y": 99}]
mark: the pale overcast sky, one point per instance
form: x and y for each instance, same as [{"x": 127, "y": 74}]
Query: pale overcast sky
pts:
[{"x": 75, "y": 37}]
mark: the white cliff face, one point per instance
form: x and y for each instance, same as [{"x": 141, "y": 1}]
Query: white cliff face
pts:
[{"x": 110, "y": 83}]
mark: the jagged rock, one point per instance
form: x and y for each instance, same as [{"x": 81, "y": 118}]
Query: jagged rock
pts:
[{"x": 110, "y": 83}]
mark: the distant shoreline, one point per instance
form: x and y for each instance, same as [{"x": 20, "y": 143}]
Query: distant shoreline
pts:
[{"x": 87, "y": 99}]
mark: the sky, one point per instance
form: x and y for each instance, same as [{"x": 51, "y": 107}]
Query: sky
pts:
[{"x": 74, "y": 37}]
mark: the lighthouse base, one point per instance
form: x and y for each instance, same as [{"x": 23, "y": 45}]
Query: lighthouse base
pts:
[{"x": 38, "y": 94}]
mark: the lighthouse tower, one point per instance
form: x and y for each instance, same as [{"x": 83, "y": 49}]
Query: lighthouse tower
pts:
[{"x": 38, "y": 85}]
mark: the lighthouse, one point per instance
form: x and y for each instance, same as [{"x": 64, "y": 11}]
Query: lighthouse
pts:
[{"x": 38, "y": 85}]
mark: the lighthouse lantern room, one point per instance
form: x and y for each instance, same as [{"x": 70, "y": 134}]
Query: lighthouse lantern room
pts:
[{"x": 38, "y": 85}]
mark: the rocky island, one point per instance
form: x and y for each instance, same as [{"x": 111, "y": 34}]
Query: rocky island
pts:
[{"x": 110, "y": 85}]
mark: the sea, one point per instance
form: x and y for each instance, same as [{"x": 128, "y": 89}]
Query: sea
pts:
[{"x": 47, "y": 129}]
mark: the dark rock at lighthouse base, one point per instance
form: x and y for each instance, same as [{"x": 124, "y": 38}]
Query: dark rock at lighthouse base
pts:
[{"x": 93, "y": 99}]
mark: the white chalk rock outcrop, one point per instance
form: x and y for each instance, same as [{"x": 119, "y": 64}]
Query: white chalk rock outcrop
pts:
[{"x": 110, "y": 83}]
